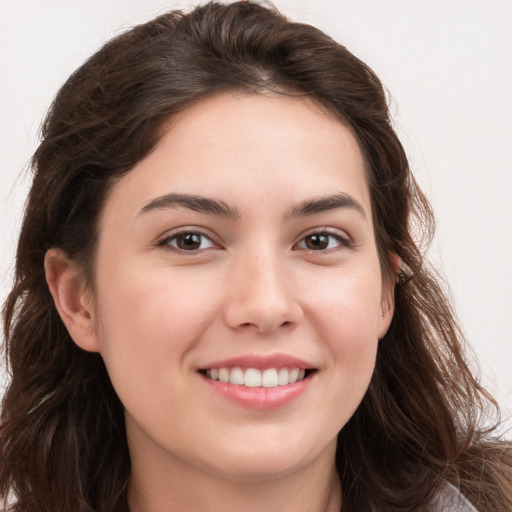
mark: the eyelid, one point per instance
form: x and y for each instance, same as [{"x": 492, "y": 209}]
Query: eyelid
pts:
[
  {"x": 163, "y": 240},
  {"x": 345, "y": 241}
]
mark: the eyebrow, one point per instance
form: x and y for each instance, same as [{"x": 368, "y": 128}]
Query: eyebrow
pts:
[
  {"x": 220, "y": 208},
  {"x": 325, "y": 204},
  {"x": 192, "y": 202}
]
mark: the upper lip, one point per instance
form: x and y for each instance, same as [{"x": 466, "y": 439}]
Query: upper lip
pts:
[{"x": 261, "y": 362}]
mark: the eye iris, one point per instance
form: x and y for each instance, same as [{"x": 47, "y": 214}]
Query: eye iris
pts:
[
  {"x": 317, "y": 242},
  {"x": 189, "y": 241}
]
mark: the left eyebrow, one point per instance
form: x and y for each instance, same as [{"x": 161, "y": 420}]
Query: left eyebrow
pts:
[{"x": 325, "y": 204}]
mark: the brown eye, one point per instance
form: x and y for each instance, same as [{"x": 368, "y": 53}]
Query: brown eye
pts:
[
  {"x": 323, "y": 241},
  {"x": 188, "y": 241},
  {"x": 317, "y": 242}
]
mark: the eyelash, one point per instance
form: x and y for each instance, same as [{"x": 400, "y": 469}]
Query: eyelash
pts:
[
  {"x": 167, "y": 241},
  {"x": 341, "y": 241}
]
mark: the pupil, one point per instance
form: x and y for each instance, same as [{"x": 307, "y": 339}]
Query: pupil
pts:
[
  {"x": 189, "y": 241},
  {"x": 316, "y": 242}
]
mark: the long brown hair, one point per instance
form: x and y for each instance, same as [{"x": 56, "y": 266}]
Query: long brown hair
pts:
[{"x": 62, "y": 433}]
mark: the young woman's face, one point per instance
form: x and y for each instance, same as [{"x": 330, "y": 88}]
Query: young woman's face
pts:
[{"x": 241, "y": 249}]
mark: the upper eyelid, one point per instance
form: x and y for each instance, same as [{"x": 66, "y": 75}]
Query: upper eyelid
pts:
[
  {"x": 170, "y": 233},
  {"x": 336, "y": 232},
  {"x": 345, "y": 242},
  {"x": 173, "y": 233}
]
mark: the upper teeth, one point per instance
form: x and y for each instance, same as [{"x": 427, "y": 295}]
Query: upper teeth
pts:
[{"x": 253, "y": 378}]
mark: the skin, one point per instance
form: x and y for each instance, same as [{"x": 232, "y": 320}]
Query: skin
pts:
[{"x": 253, "y": 285}]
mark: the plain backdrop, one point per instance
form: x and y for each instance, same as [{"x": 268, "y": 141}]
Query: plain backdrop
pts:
[{"x": 447, "y": 65}]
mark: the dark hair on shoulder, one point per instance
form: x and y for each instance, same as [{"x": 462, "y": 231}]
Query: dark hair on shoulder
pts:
[{"x": 62, "y": 435}]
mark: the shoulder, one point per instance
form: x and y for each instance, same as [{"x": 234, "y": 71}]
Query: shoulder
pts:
[{"x": 450, "y": 499}]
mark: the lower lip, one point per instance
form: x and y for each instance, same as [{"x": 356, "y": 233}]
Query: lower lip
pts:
[{"x": 259, "y": 398}]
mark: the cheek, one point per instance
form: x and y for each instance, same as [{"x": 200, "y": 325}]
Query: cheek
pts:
[
  {"x": 347, "y": 306},
  {"x": 345, "y": 319},
  {"x": 156, "y": 304},
  {"x": 149, "y": 321}
]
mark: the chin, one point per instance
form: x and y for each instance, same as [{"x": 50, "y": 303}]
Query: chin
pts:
[
  {"x": 260, "y": 461},
  {"x": 260, "y": 468}
]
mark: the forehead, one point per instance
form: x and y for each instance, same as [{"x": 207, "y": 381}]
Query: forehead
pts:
[
  {"x": 256, "y": 147},
  {"x": 258, "y": 121}
]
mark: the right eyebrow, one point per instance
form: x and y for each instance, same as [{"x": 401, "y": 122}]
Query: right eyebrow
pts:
[{"x": 199, "y": 204}]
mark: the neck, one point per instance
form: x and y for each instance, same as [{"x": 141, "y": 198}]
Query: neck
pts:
[{"x": 173, "y": 485}]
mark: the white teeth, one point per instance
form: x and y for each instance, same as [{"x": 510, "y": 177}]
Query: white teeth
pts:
[
  {"x": 237, "y": 376},
  {"x": 223, "y": 374},
  {"x": 283, "y": 377},
  {"x": 253, "y": 378},
  {"x": 269, "y": 378}
]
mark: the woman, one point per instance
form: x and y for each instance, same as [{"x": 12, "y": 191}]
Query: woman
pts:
[{"x": 218, "y": 301}]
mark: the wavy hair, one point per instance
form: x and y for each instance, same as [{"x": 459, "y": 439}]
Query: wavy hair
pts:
[{"x": 62, "y": 434}]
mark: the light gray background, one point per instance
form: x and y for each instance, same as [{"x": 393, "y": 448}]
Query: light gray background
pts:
[{"x": 448, "y": 67}]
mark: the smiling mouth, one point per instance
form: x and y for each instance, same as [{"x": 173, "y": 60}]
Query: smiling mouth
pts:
[{"x": 254, "y": 378}]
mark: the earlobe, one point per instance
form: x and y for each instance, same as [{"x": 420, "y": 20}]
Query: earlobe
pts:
[{"x": 72, "y": 299}]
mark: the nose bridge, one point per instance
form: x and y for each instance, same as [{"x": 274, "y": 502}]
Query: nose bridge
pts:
[{"x": 262, "y": 296}]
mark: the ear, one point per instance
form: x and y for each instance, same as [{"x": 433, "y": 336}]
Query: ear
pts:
[
  {"x": 388, "y": 296},
  {"x": 72, "y": 299}
]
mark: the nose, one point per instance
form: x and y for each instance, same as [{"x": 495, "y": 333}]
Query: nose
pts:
[{"x": 262, "y": 296}]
